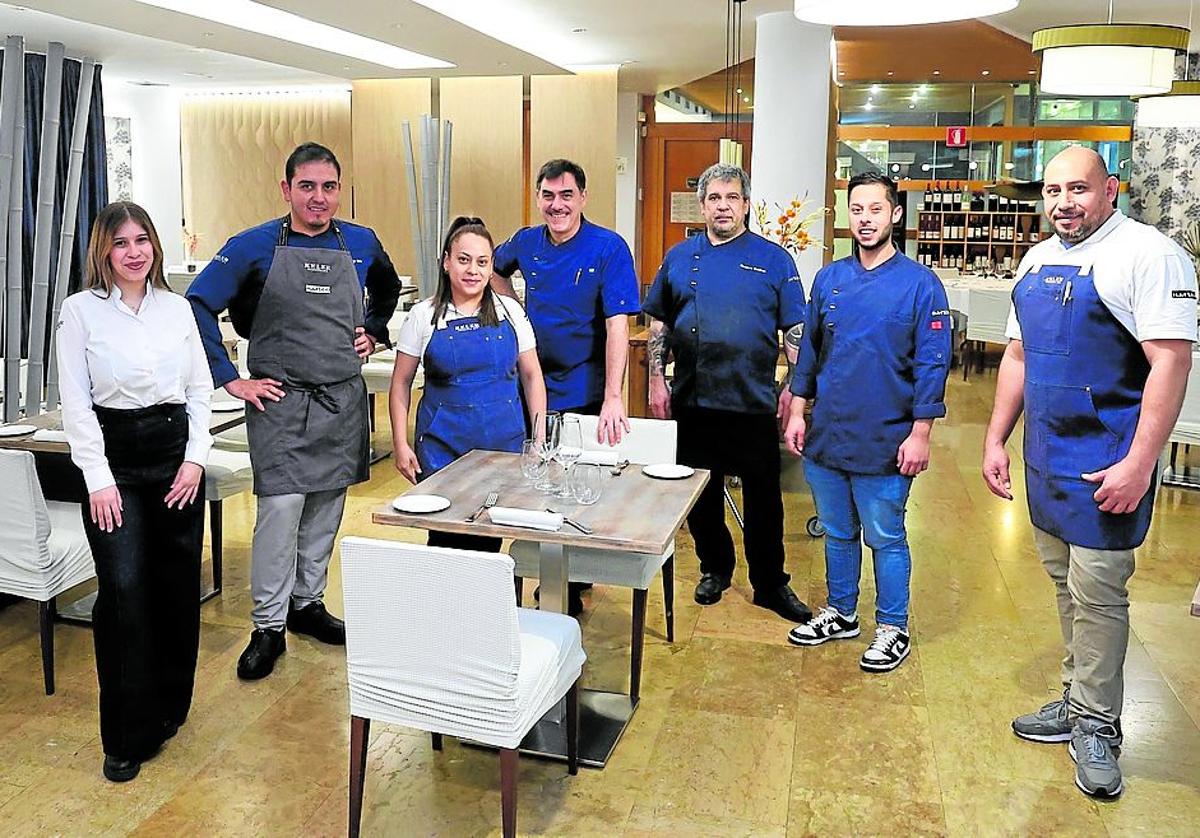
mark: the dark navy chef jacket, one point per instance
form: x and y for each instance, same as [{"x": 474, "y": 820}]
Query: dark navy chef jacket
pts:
[
  {"x": 725, "y": 305},
  {"x": 875, "y": 355}
]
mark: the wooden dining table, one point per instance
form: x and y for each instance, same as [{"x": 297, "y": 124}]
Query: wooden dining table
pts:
[
  {"x": 61, "y": 480},
  {"x": 635, "y": 514}
]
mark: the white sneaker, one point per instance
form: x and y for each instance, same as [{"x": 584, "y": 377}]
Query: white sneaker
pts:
[
  {"x": 887, "y": 651},
  {"x": 828, "y": 624}
]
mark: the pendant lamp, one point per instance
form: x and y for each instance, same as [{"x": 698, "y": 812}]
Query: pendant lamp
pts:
[
  {"x": 1109, "y": 59},
  {"x": 1179, "y": 108},
  {"x": 906, "y": 13}
]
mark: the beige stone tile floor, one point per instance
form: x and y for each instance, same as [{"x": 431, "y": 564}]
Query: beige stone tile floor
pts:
[{"x": 738, "y": 734}]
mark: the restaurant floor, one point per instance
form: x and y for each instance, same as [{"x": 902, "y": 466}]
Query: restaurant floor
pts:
[{"x": 737, "y": 733}]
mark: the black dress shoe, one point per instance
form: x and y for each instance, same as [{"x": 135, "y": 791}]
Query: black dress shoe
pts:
[
  {"x": 120, "y": 770},
  {"x": 784, "y": 602},
  {"x": 710, "y": 588},
  {"x": 259, "y": 658},
  {"x": 317, "y": 623}
]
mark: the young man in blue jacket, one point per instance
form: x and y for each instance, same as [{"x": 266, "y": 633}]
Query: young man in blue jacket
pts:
[{"x": 874, "y": 356}]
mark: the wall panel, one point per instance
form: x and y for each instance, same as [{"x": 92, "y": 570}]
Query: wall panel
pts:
[
  {"x": 233, "y": 149},
  {"x": 576, "y": 117},
  {"x": 381, "y": 106},
  {"x": 486, "y": 161}
]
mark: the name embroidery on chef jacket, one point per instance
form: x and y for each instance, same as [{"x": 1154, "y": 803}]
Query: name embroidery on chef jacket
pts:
[{"x": 754, "y": 268}]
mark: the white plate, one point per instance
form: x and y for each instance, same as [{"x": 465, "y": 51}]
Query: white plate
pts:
[
  {"x": 420, "y": 504},
  {"x": 227, "y": 407},
  {"x": 668, "y": 471},
  {"x": 17, "y": 430}
]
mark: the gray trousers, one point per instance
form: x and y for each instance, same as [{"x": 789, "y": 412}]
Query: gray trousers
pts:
[
  {"x": 293, "y": 542},
  {"x": 1091, "y": 587}
]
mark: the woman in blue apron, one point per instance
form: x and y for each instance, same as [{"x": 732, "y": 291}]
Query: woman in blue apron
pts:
[{"x": 478, "y": 351}]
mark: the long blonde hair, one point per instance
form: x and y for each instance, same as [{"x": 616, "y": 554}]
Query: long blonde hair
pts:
[{"x": 100, "y": 274}]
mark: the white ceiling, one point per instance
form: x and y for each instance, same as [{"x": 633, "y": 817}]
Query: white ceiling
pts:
[{"x": 657, "y": 43}]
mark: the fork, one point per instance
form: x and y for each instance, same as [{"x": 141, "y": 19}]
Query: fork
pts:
[
  {"x": 488, "y": 503},
  {"x": 619, "y": 467}
]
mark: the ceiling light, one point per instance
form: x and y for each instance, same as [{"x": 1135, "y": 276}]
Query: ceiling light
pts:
[
  {"x": 840, "y": 13},
  {"x": 1178, "y": 109},
  {"x": 986, "y": 73},
  {"x": 891, "y": 73},
  {"x": 1113, "y": 59},
  {"x": 746, "y": 99},
  {"x": 875, "y": 88},
  {"x": 739, "y": 90},
  {"x": 895, "y": 167},
  {"x": 922, "y": 89},
  {"x": 937, "y": 72},
  {"x": 1010, "y": 166},
  {"x": 276, "y": 23},
  {"x": 912, "y": 107}
]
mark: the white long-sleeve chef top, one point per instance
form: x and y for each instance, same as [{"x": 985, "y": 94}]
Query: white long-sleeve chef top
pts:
[{"x": 110, "y": 356}]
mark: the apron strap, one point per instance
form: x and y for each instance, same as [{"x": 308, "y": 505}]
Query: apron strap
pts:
[{"x": 285, "y": 227}]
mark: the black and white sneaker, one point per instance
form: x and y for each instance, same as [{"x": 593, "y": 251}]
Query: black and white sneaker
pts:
[
  {"x": 887, "y": 651},
  {"x": 828, "y": 624}
]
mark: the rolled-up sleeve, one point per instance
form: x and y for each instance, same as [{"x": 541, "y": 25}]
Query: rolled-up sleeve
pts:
[
  {"x": 75, "y": 390},
  {"x": 931, "y": 362}
]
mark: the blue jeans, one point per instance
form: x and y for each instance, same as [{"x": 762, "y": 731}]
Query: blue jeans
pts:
[{"x": 871, "y": 506}]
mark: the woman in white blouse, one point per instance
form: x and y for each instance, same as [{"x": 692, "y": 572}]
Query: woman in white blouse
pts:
[
  {"x": 476, "y": 347},
  {"x": 135, "y": 396}
]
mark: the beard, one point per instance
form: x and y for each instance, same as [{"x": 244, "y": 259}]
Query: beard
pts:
[
  {"x": 885, "y": 236},
  {"x": 1086, "y": 228}
]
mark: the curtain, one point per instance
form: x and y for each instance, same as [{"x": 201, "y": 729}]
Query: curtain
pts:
[{"x": 93, "y": 185}]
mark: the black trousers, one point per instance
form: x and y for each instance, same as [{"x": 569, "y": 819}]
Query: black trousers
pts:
[
  {"x": 146, "y": 621},
  {"x": 746, "y": 445}
]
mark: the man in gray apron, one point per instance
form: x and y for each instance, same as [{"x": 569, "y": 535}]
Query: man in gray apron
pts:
[{"x": 294, "y": 286}]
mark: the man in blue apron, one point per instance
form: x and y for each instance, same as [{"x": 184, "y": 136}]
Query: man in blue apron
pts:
[
  {"x": 1104, "y": 317},
  {"x": 718, "y": 304},
  {"x": 294, "y": 286},
  {"x": 580, "y": 288}
]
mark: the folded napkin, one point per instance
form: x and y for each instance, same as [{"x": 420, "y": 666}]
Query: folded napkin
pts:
[
  {"x": 46, "y": 435},
  {"x": 533, "y": 519},
  {"x": 601, "y": 457}
]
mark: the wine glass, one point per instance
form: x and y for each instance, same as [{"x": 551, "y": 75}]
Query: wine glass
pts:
[
  {"x": 533, "y": 468},
  {"x": 586, "y": 483},
  {"x": 546, "y": 431},
  {"x": 570, "y": 449}
]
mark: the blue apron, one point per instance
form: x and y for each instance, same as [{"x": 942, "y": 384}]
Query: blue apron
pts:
[
  {"x": 1084, "y": 377},
  {"x": 471, "y": 396}
]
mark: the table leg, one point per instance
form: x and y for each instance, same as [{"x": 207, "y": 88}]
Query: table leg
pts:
[{"x": 553, "y": 577}]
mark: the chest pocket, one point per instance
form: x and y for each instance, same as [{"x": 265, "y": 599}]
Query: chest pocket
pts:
[{"x": 1045, "y": 310}]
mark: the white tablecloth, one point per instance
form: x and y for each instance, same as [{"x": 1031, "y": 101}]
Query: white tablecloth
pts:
[{"x": 983, "y": 303}]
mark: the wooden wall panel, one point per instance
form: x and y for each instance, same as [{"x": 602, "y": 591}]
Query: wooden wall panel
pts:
[
  {"x": 381, "y": 106},
  {"x": 486, "y": 177},
  {"x": 576, "y": 117},
  {"x": 234, "y": 147}
]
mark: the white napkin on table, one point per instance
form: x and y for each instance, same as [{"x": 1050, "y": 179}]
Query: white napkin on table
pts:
[
  {"x": 601, "y": 457},
  {"x": 47, "y": 435},
  {"x": 533, "y": 519}
]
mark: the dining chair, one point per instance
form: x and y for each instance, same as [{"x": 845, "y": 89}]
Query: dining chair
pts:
[
  {"x": 434, "y": 641},
  {"x": 43, "y": 548},
  {"x": 228, "y": 473},
  {"x": 648, "y": 441}
]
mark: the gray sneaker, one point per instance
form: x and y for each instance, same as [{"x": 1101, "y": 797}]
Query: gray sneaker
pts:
[
  {"x": 1050, "y": 724},
  {"x": 1093, "y": 749}
]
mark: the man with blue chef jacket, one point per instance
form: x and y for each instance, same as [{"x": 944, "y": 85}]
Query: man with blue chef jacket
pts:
[
  {"x": 1101, "y": 334},
  {"x": 580, "y": 288},
  {"x": 294, "y": 286},
  {"x": 718, "y": 304},
  {"x": 874, "y": 355}
]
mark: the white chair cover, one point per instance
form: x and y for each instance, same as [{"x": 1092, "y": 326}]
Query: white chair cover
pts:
[
  {"x": 649, "y": 441},
  {"x": 434, "y": 641},
  {"x": 228, "y": 473},
  {"x": 988, "y": 315},
  {"x": 43, "y": 548}
]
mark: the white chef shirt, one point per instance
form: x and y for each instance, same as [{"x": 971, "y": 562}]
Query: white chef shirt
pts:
[
  {"x": 417, "y": 329},
  {"x": 112, "y": 357},
  {"x": 1144, "y": 278}
]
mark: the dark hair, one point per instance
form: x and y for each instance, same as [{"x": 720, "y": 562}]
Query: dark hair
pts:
[
  {"x": 558, "y": 167},
  {"x": 309, "y": 153},
  {"x": 442, "y": 297},
  {"x": 867, "y": 178},
  {"x": 100, "y": 274}
]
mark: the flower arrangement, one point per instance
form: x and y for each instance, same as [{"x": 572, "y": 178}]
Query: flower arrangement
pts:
[
  {"x": 191, "y": 241},
  {"x": 790, "y": 228}
]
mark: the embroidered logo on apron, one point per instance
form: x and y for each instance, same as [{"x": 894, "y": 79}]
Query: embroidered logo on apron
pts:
[{"x": 317, "y": 267}]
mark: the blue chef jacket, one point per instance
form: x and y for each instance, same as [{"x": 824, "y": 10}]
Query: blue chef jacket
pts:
[
  {"x": 725, "y": 306},
  {"x": 570, "y": 290},
  {"x": 235, "y": 277},
  {"x": 875, "y": 355}
]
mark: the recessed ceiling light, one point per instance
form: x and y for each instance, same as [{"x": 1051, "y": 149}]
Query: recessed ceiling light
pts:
[
  {"x": 739, "y": 90},
  {"x": 891, "y": 73},
  {"x": 937, "y": 72},
  {"x": 841, "y": 72},
  {"x": 262, "y": 19},
  {"x": 986, "y": 73},
  {"x": 1033, "y": 72},
  {"x": 746, "y": 99},
  {"x": 912, "y": 107}
]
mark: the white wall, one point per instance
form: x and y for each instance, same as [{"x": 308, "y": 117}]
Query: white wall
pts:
[
  {"x": 791, "y": 117},
  {"x": 153, "y": 114},
  {"x": 628, "y": 205}
]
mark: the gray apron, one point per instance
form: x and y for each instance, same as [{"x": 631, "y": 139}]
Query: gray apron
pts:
[{"x": 315, "y": 438}]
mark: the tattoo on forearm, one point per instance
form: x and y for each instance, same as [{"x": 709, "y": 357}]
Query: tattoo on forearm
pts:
[
  {"x": 657, "y": 348},
  {"x": 792, "y": 336}
]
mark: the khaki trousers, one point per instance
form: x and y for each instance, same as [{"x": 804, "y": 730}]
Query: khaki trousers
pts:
[{"x": 1093, "y": 609}]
